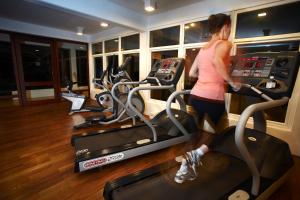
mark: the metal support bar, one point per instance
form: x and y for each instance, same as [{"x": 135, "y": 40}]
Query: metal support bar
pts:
[
  {"x": 239, "y": 137},
  {"x": 167, "y": 87},
  {"x": 182, "y": 107}
]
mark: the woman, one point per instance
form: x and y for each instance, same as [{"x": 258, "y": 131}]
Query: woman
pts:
[{"x": 207, "y": 95}]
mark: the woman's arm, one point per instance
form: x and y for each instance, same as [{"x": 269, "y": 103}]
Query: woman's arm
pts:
[
  {"x": 194, "y": 69},
  {"x": 222, "y": 53}
]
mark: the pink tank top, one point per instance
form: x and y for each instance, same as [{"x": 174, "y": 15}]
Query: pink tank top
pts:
[{"x": 210, "y": 83}]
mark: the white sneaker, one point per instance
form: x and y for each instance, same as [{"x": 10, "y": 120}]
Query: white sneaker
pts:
[
  {"x": 184, "y": 173},
  {"x": 183, "y": 176},
  {"x": 179, "y": 159},
  {"x": 193, "y": 160}
]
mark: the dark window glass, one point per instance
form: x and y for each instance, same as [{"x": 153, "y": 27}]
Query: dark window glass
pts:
[
  {"x": 272, "y": 47},
  {"x": 97, "y": 48},
  {"x": 98, "y": 63},
  {"x": 162, "y": 94},
  {"x": 73, "y": 64},
  {"x": 196, "y": 32},
  {"x": 189, "y": 60},
  {"x": 82, "y": 67},
  {"x": 275, "y": 20},
  {"x": 7, "y": 76},
  {"x": 64, "y": 65},
  {"x": 131, "y": 42},
  {"x": 165, "y": 37},
  {"x": 36, "y": 61},
  {"x": 112, "y": 45},
  {"x": 238, "y": 102},
  {"x": 133, "y": 68}
]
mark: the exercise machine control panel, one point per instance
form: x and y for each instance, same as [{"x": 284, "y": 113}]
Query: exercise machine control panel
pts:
[
  {"x": 167, "y": 71},
  {"x": 273, "y": 73}
]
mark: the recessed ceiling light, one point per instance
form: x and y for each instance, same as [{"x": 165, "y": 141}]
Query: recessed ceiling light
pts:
[
  {"x": 103, "y": 24},
  {"x": 37, "y": 50},
  {"x": 150, "y": 5},
  {"x": 79, "y": 30},
  {"x": 186, "y": 27},
  {"x": 262, "y": 14},
  {"x": 192, "y": 24}
]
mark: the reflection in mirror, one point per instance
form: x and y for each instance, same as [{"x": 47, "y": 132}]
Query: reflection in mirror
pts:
[
  {"x": 134, "y": 66},
  {"x": 73, "y": 66}
]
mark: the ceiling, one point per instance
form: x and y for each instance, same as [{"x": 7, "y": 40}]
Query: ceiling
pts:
[
  {"x": 27, "y": 11},
  {"x": 162, "y": 5},
  {"x": 46, "y": 16}
]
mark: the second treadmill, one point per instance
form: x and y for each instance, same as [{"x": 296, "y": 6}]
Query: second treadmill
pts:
[{"x": 97, "y": 149}]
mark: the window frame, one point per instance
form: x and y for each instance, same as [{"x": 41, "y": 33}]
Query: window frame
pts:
[
  {"x": 119, "y": 53},
  {"x": 291, "y": 113}
]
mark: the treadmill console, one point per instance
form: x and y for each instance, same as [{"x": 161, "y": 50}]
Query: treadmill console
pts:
[
  {"x": 167, "y": 71},
  {"x": 273, "y": 73}
]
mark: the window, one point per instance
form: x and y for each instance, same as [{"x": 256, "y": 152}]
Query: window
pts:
[
  {"x": 81, "y": 65},
  {"x": 276, "y": 20},
  {"x": 165, "y": 37},
  {"x": 162, "y": 94},
  {"x": 196, "y": 32},
  {"x": 239, "y": 103},
  {"x": 133, "y": 68},
  {"x": 130, "y": 42},
  {"x": 97, "y": 48},
  {"x": 189, "y": 82},
  {"x": 73, "y": 63},
  {"x": 36, "y": 61},
  {"x": 7, "y": 77},
  {"x": 112, "y": 45},
  {"x": 272, "y": 47},
  {"x": 64, "y": 63},
  {"x": 98, "y": 63}
]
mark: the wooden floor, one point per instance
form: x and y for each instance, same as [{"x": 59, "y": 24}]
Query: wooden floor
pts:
[{"x": 37, "y": 158}]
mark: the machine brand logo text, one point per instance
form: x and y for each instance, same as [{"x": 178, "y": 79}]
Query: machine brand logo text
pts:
[{"x": 103, "y": 160}]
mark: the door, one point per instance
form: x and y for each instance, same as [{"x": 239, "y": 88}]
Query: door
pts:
[{"x": 38, "y": 75}]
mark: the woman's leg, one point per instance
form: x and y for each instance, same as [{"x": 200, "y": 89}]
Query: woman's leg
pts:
[{"x": 192, "y": 158}]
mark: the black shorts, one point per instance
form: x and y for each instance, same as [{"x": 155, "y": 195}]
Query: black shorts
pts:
[{"x": 214, "y": 109}]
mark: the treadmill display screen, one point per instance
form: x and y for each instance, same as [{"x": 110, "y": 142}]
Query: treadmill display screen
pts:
[{"x": 256, "y": 67}]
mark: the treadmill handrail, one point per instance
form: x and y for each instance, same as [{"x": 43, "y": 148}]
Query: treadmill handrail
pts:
[
  {"x": 239, "y": 137},
  {"x": 263, "y": 95},
  {"x": 142, "y": 117},
  {"x": 182, "y": 107}
]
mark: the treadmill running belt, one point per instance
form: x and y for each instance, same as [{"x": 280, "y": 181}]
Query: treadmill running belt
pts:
[
  {"x": 216, "y": 177},
  {"x": 117, "y": 138}
]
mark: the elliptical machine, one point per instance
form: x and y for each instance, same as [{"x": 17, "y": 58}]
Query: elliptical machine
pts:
[
  {"x": 120, "y": 112},
  {"x": 79, "y": 101}
]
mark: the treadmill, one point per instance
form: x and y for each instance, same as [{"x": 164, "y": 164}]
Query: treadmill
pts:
[
  {"x": 245, "y": 163},
  {"x": 96, "y": 149}
]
